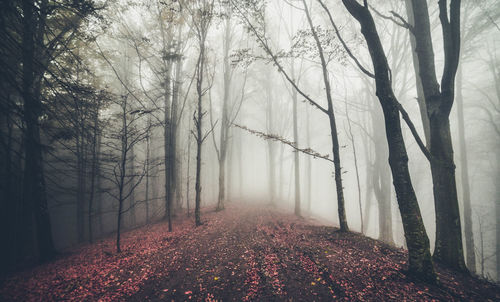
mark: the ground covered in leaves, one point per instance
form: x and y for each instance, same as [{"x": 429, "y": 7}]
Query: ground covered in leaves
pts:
[{"x": 238, "y": 254}]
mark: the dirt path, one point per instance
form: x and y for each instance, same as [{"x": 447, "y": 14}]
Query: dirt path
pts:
[
  {"x": 260, "y": 254},
  {"x": 239, "y": 254}
]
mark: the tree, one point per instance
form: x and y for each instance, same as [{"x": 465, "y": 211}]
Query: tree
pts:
[
  {"x": 439, "y": 98},
  {"x": 230, "y": 109},
  {"x": 420, "y": 261},
  {"x": 45, "y": 32},
  {"x": 250, "y": 10},
  {"x": 202, "y": 13},
  {"x": 122, "y": 175}
]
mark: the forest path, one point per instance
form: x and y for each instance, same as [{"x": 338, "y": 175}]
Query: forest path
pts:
[
  {"x": 244, "y": 253},
  {"x": 262, "y": 254}
]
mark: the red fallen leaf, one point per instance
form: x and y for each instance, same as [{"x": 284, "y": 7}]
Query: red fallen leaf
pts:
[
  {"x": 165, "y": 290},
  {"x": 188, "y": 292}
]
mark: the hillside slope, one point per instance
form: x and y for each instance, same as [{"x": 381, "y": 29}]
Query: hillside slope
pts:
[{"x": 241, "y": 253}]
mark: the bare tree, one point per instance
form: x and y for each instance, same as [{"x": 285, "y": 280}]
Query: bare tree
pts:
[
  {"x": 439, "y": 98},
  {"x": 247, "y": 11},
  {"x": 420, "y": 263},
  {"x": 202, "y": 13},
  {"x": 119, "y": 145}
]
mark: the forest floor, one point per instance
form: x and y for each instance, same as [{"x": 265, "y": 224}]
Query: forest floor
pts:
[{"x": 240, "y": 253}]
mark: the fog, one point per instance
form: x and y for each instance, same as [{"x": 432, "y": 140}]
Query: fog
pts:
[{"x": 120, "y": 121}]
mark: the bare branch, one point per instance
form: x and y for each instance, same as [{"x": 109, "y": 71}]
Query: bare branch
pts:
[
  {"x": 282, "y": 140},
  {"x": 346, "y": 48}
]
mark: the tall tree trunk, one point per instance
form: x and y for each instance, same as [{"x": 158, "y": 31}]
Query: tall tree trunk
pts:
[
  {"x": 148, "y": 167},
  {"x": 8, "y": 197},
  {"x": 296, "y": 154},
  {"x": 94, "y": 168},
  {"x": 224, "y": 128},
  {"x": 448, "y": 247},
  {"x": 418, "y": 82},
  {"x": 497, "y": 214},
  {"x": 229, "y": 168},
  {"x": 464, "y": 169},
  {"x": 333, "y": 127},
  {"x": 420, "y": 261},
  {"x": 381, "y": 182},
  {"x": 167, "y": 146},
  {"x": 98, "y": 193},
  {"x": 188, "y": 175},
  {"x": 198, "y": 121},
  {"x": 131, "y": 198},
  {"x": 80, "y": 192},
  {"x": 174, "y": 163},
  {"x": 119, "y": 221},
  {"x": 37, "y": 242},
  {"x": 123, "y": 173},
  {"x": 281, "y": 175},
  {"x": 308, "y": 160},
  {"x": 351, "y": 138},
  {"x": 240, "y": 165},
  {"x": 270, "y": 144}
]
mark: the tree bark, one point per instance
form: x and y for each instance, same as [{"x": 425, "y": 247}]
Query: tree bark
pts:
[
  {"x": 37, "y": 242},
  {"x": 448, "y": 246},
  {"x": 420, "y": 261},
  {"x": 497, "y": 214},
  {"x": 418, "y": 82}
]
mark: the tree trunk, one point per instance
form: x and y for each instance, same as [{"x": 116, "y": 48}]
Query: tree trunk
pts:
[
  {"x": 270, "y": 145},
  {"x": 229, "y": 168},
  {"x": 351, "y": 138},
  {"x": 420, "y": 261},
  {"x": 333, "y": 128},
  {"x": 123, "y": 172},
  {"x": 308, "y": 160},
  {"x": 174, "y": 163},
  {"x": 9, "y": 199},
  {"x": 35, "y": 227},
  {"x": 199, "y": 137},
  {"x": 131, "y": 198},
  {"x": 418, "y": 82},
  {"x": 497, "y": 214},
  {"x": 381, "y": 182},
  {"x": 448, "y": 247},
  {"x": 224, "y": 128},
  {"x": 167, "y": 147},
  {"x": 240, "y": 165},
  {"x": 296, "y": 154},
  {"x": 188, "y": 174},
  {"x": 93, "y": 172},
  {"x": 119, "y": 222},
  {"x": 98, "y": 194},
  {"x": 464, "y": 169},
  {"x": 148, "y": 165},
  {"x": 80, "y": 192}
]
